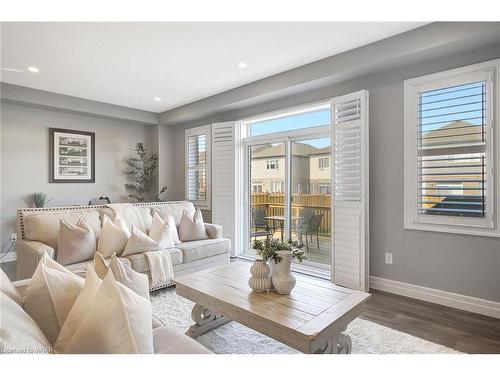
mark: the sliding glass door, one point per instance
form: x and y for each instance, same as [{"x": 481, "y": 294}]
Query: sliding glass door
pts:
[{"x": 310, "y": 214}]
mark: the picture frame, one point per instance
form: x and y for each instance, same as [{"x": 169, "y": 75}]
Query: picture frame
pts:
[{"x": 71, "y": 156}]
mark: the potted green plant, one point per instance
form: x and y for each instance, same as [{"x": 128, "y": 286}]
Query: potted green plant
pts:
[
  {"x": 40, "y": 199},
  {"x": 280, "y": 255}
]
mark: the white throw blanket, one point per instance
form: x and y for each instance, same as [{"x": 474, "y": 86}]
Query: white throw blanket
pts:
[{"x": 160, "y": 267}]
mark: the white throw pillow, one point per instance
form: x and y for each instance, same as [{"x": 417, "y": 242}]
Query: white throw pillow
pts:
[
  {"x": 168, "y": 218},
  {"x": 192, "y": 228},
  {"x": 139, "y": 243},
  {"x": 118, "y": 320},
  {"x": 125, "y": 275},
  {"x": 79, "y": 309},
  {"x": 50, "y": 295},
  {"x": 9, "y": 289},
  {"x": 161, "y": 232},
  {"x": 114, "y": 236},
  {"x": 18, "y": 331},
  {"x": 75, "y": 243}
]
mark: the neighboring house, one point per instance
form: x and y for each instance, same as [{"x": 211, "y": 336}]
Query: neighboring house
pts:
[{"x": 310, "y": 169}]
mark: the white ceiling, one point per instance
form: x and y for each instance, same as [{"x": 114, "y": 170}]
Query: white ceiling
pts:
[{"x": 130, "y": 63}]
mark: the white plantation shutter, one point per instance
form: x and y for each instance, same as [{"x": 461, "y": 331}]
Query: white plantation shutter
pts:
[
  {"x": 224, "y": 179},
  {"x": 198, "y": 164},
  {"x": 350, "y": 190}
]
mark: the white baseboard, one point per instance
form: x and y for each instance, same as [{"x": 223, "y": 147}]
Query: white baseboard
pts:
[
  {"x": 441, "y": 297},
  {"x": 10, "y": 257}
]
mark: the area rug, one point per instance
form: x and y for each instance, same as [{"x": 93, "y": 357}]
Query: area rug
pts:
[{"x": 234, "y": 338}]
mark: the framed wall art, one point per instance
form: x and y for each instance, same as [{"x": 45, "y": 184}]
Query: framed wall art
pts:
[{"x": 71, "y": 156}]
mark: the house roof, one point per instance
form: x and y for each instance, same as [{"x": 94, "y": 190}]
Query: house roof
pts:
[{"x": 300, "y": 149}]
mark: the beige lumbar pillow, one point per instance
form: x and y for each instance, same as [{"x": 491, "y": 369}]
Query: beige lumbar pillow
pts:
[
  {"x": 75, "y": 243},
  {"x": 8, "y": 289},
  {"x": 114, "y": 236},
  {"x": 167, "y": 217},
  {"x": 117, "y": 320},
  {"x": 192, "y": 228},
  {"x": 139, "y": 243},
  {"x": 162, "y": 232},
  {"x": 18, "y": 331},
  {"x": 50, "y": 295}
]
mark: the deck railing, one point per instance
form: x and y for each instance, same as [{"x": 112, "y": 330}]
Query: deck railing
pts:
[{"x": 274, "y": 204}]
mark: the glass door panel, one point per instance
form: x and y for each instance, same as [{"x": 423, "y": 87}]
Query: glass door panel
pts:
[
  {"x": 310, "y": 214},
  {"x": 267, "y": 181}
]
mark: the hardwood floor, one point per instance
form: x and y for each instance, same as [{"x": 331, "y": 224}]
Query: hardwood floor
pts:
[{"x": 457, "y": 329}]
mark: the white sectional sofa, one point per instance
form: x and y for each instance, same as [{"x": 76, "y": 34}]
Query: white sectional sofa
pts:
[{"x": 37, "y": 231}]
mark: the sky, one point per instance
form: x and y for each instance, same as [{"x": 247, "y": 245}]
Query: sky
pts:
[
  {"x": 304, "y": 120},
  {"x": 440, "y": 107}
]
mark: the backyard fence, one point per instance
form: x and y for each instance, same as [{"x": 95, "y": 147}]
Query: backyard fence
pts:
[{"x": 274, "y": 204}]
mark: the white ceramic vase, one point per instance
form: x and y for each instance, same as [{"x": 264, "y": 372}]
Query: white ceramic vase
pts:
[
  {"x": 283, "y": 280},
  {"x": 260, "y": 280}
]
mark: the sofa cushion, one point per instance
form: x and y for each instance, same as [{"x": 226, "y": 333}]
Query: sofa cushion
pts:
[
  {"x": 163, "y": 232},
  {"x": 139, "y": 262},
  {"x": 192, "y": 227},
  {"x": 194, "y": 250},
  {"x": 125, "y": 275},
  {"x": 139, "y": 242},
  {"x": 44, "y": 227},
  {"x": 114, "y": 236},
  {"x": 169, "y": 341},
  {"x": 75, "y": 243},
  {"x": 18, "y": 331}
]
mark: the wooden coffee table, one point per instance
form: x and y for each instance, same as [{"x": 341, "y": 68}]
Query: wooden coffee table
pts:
[{"x": 312, "y": 319}]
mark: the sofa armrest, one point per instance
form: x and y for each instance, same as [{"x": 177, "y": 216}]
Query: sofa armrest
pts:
[
  {"x": 214, "y": 231},
  {"x": 29, "y": 254}
]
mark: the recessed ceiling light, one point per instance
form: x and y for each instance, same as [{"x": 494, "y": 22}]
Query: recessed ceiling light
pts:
[
  {"x": 242, "y": 65},
  {"x": 157, "y": 99},
  {"x": 33, "y": 69}
]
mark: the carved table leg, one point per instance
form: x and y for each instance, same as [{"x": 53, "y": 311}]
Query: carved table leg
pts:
[
  {"x": 205, "y": 320},
  {"x": 339, "y": 344}
]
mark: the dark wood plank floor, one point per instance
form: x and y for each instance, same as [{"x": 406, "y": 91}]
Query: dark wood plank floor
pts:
[{"x": 457, "y": 329}]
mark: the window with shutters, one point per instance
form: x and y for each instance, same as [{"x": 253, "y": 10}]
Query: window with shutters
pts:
[
  {"x": 198, "y": 166},
  {"x": 450, "y": 166}
]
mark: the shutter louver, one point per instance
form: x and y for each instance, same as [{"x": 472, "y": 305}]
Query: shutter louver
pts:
[
  {"x": 451, "y": 170},
  {"x": 350, "y": 190},
  {"x": 224, "y": 179}
]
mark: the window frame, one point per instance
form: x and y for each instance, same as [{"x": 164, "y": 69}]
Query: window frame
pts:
[
  {"x": 205, "y": 130},
  {"x": 489, "y": 225}
]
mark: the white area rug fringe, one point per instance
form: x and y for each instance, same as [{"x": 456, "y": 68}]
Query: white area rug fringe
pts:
[{"x": 234, "y": 338}]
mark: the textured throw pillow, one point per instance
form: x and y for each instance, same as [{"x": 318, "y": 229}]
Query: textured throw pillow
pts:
[
  {"x": 77, "y": 313},
  {"x": 192, "y": 228},
  {"x": 75, "y": 243},
  {"x": 114, "y": 236},
  {"x": 139, "y": 243},
  {"x": 167, "y": 217},
  {"x": 50, "y": 295},
  {"x": 18, "y": 331},
  {"x": 161, "y": 232},
  {"x": 117, "y": 321},
  {"x": 125, "y": 275},
  {"x": 8, "y": 289}
]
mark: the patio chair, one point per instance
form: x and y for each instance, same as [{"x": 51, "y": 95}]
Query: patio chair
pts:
[
  {"x": 305, "y": 215},
  {"x": 311, "y": 229},
  {"x": 258, "y": 223}
]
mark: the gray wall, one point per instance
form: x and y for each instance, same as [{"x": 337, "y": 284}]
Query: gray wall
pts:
[
  {"x": 25, "y": 164},
  {"x": 462, "y": 264}
]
